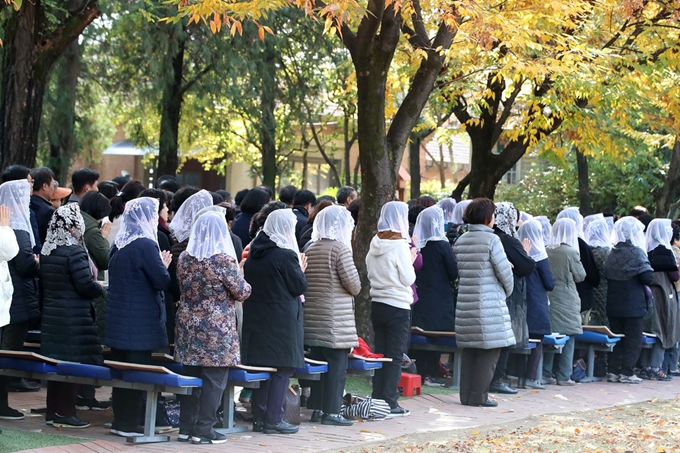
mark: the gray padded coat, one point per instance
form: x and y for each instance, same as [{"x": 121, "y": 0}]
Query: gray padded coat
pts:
[
  {"x": 332, "y": 280},
  {"x": 482, "y": 317}
]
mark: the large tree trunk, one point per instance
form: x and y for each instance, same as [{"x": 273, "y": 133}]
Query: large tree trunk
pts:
[
  {"x": 586, "y": 207},
  {"x": 348, "y": 147},
  {"x": 414, "y": 164},
  {"x": 664, "y": 196},
  {"x": 267, "y": 73},
  {"x": 171, "y": 109},
  {"x": 61, "y": 133},
  {"x": 28, "y": 54},
  {"x": 442, "y": 169}
]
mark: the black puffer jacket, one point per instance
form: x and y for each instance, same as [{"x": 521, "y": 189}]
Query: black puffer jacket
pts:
[
  {"x": 68, "y": 327},
  {"x": 24, "y": 270},
  {"x": 627, "y": 271}
]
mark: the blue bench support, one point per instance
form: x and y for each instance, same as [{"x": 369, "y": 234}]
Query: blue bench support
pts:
[
  {"x": 312, "y": 370},
  {"x": 240, "y": 376},
  {"x": 364, "y": 366},
  {"x": 551, "y": 345},
  {"x": 594, "y": 341}
]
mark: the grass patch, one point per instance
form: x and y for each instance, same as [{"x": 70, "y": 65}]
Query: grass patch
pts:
[
  {"x": 15, "y": 440},
  {"x": 360, "y": 385}
]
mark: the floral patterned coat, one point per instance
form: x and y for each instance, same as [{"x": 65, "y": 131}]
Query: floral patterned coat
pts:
[{"x": 205, "y": 332}]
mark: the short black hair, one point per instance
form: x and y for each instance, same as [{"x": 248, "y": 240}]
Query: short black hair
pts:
[
  {"x": 226, "y": 195},
  {"x": 130, "y": 191},
  {"x": 287, "y": 194},
  {"x": 231, "y": 212},
  {"x": 638, "y": 211},
  {"x": 254, "y": 200},
  {"x": 325, "y": 198},
  {"x": 167, "y": 182},
  {"x": 158, "y": 194},
  {"x": 217, "y": 198},
  {"x": 676, "y": 231},
  {"x": 240, "y": 196},
  {"x": 15, "y": 173},
  {"x": 426, "y": 201},
  {"x": 95, "y": 204},
  {"x": 479, "y": 212},
  {"x": 121, "y": 181},
  {"x": 258, "y": 219},
  {"x": 108, "y": 188},
  {"x": 344, "y": 193},
  {"x": 82, "y": 177},
  {"x": 413, "y": 212},
  {"x": 181, "y": 196},
  {"x": 354, "y": 208},
  {"x": 267, "y": 189},
  {"x": 42, "y": 175},
  {"x": 304, "y": 197}
]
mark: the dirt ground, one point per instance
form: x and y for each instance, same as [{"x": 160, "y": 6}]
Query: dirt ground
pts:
[{"x": 645, "y": 427}]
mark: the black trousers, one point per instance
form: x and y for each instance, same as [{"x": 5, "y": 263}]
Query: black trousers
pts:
[
  {"x": 392, "y": 327},
  {"x": 326, "y": 393},
  {"x": 427, "y": 362},
  {"x": 61, "y": 398},
  {"x": 501, "y": 365},
  {"x": 477, "y": 369},
  {"x": 128, "y": 405},
  {"x": 267, "y": 400},
  {"x": 527, "y": 365},
  {"x": 198, "y": 411},
  {"x": 627, "y": 351},
  {"x": 12, "y": 338}
]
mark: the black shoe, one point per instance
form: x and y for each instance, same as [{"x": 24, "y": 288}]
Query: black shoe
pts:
[
  {"x": 83, "y": 404},
  {"x": 184, "y": 437},
  {"x": 280, "y": 428},
  {"x": 22, "y": 385},
  {"x": 488, "y": 403},
  {"x": 258, "y": 425},
  {"x": 317, "y": 416},
  {"x": 398, "y": 412},
  {"x": 127, "y": 431},
  {"x": 49, "y": 419},
  {"x": 7, "y": 413},
  {"x": 502, "y": 387},
  {"x": 335, "y": 420},
  {"x": 214, "y": 438},
  {"x": 69, "y": 422}
]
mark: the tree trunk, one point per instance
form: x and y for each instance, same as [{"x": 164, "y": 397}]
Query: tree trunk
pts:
[
  {"x": 414, "y": 164},
  {"x": 267, "y": 74},
  {"x": 348, "y": 148},
  {"x": 442, "y": 169},
  {"x": 665, "y": 195},
  {"x": 305, "y": 170},
  {"x": 586, "y": 207},
  {"x": 171, "y": 107},
  {"x": 61, "y": 134},
  {"x": 28, "y": 54}
]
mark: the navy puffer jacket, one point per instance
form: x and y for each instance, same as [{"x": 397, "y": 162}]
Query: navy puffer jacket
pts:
[{"x": 24, "y": 270}]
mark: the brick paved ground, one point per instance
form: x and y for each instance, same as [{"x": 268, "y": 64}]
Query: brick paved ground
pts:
[{"x": 428, "y": 413}]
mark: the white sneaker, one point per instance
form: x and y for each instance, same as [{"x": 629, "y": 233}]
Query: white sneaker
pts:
[
  {"x": 568, "y": 383},
  {"x": 611, "y": 377},
  {"x": 629, "y": 379},
  {"x": 534, "y": 384}
]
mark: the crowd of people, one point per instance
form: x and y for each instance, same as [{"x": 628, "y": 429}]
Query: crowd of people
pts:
[{"x": 262, "y": 282}]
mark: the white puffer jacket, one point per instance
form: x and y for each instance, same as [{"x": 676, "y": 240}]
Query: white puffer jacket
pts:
[
  {"x": 482, "y": 317},
  {"x": 8, "y": 250}
]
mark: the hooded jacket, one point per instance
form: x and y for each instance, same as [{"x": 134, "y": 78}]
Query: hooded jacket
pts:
[{"x": 391, "y": 272}]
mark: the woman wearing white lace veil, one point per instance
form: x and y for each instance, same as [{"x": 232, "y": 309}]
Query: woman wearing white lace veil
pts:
[
  {"x": 538, "y": 284},
  {"x": 545, "y": 227},
  {"x": 628, "y": 273},
  {"x": 436, "y": 307},
  {"x": 565, "y": 304},
  {"x": 598, "y": 238},
  {"x": 665, "y": 319},
  {"x": 135, "y": 312},
  {"x": 206, "y": 340},
  {"x": 329, "y": 326},
  {"x": 68, "y": 328},
  {"x": 181, "y": 221},
  {"x": 24, "y": 270},
  {"x": 391, "y": 274},
  {"x": 448, "y": 205},
  {"x": 272, "y": 316}
]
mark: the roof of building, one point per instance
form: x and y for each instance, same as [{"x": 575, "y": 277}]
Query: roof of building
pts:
[
  {"x": 128, "y": 148},
  {"x": 456, "y": 149}
]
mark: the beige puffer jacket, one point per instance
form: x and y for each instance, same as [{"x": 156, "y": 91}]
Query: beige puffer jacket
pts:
[{"x": 332, "y": 281}]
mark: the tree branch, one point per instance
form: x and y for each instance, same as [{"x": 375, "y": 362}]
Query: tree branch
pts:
[
  {"x": 370, "y": 23},
  {"x": 460, "y": 187},
  {"x": 507, "y": 110},
  {"x": 191, "y": 82}
]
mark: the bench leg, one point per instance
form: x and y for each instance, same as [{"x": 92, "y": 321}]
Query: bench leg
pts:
[
  {"x": 590, "y": 366},
  {"x": 455, "y": 382},
  {"x": 149, "y": 422},
  {"x": 539, "y": 374},
  {"x": 228, "y": 420}
]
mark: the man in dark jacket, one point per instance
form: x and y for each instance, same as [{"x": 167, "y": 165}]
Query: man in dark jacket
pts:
[
  {"x": 302, "y": 205},
  {"x": 41, "y": 200}
]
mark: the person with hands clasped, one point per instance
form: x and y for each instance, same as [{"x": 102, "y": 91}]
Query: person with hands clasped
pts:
[{"x": 391, "y": 274}]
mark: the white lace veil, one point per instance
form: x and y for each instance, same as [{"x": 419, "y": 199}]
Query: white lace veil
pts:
[
  {"x": 394, "y": 217},
  {"x": 448, "y": 205},
  {"x": 546, "y": 227},
  {"x": 563, "y": 232},
  {"x": 589, "y": 218},
  {"x": 506, "y": 218},
  {"x": 429, "y": 226},
  {"x": 210, "y": 236},
  {"x": 458, "y": 212},
  {"x": 280, "y": 227},
  {"x": 181, "y": 221},
  {"x": 66, "y": 228},
  {"x": 16, "y": 195},
  {"x": 573, "y": 214},
  {"x": 659, "y": 232},
  {"x": 533, "y": 230},
  {"x": 525, "y": 216},
  {"x": 217, "y": 209},
  {"x": 139, "y": 220},
  {"x": 630, "y": 229},
  {"x": 334, "y": 222},
  {"x": 597, "y": 233}
]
